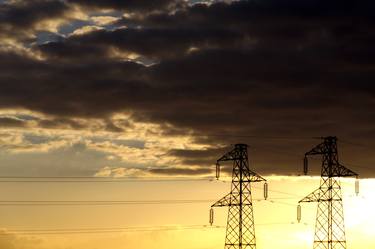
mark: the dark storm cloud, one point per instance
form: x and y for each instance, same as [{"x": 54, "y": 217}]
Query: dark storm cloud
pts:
[
  {"x": 70, "y": 51},
  {"x": 24, "y": 14},
  {"x": 111, "y": 127},
  {"x": 127, "y": 5},
  {"x": 293, "y": 68},
  {"x": 69, "y": 89},
  {"x": 20, "y": 20},
  {"x": 245, "y": 14},
  {"x": 75, "y": 159},
  {"x": 180, "y": 171},
  {"x": 11, "y": 122},
  {"x": 152, "y": 43},
  {"x": 205, "y": 157},
  {"x": 61, "y": 123}
]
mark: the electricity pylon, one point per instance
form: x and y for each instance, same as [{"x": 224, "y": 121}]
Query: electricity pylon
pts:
[
  {"x": 329, "y": 226},
  {"x": 240, "y": 231}
]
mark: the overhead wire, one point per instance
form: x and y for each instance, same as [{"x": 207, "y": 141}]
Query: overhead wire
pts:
[
  {"x": 280, "y": 192},
  {"x": 111, "y": 179},
  {"x": 109, "y": 202},
  {"x": 358, "y": 166},
  {"x": 139, "y": 202},
  {"x": 254, "y": 136},
  {"x": 94, "y": 179},
  {"x": 73, "y": 231},
  {"x": 97, "y": 203},
  {"x": 355, "y": 143}
]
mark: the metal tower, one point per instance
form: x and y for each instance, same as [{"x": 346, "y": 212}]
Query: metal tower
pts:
[
  {"x": 240, "y": 231},
  {"x": 329, "y": 227}
]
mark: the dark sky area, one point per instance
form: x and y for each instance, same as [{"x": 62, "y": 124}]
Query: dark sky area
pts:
[{"x": 224, "y": 72}]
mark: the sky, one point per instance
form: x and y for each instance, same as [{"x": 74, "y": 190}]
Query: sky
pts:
[{"x": 160, "y": 90}]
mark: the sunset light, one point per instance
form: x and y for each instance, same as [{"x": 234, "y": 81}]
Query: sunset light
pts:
[{"x": 189, "y": 124}]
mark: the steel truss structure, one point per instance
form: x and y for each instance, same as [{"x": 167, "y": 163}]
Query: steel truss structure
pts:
[
  {"x": 329, "y": 226},
  {"x": 240, "y": 230}
]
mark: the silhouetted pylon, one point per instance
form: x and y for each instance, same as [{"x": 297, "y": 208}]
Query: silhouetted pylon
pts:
[
  {"x": 329, "y": 226},
  {"x": 240, "y": 231}
]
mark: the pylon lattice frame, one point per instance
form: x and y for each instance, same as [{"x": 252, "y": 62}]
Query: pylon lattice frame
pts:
[
  {"x": 329, "y": 226},
  {"x": 240, "y": 231}
]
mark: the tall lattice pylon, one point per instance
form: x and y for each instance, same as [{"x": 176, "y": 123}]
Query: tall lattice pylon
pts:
[
  {"x": 329, "y": 226},
  {"x": 240, "y": 231}
]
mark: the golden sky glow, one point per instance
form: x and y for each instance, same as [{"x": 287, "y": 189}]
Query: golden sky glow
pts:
[
  {"x": 275, "y": 219},
  {"x": 113, "y": 114},
  {"x": 55, "y": 150}
]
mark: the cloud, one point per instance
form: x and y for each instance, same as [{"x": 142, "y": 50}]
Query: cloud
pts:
[
  {"x": 25, "y": 14},
  {"x": 104, "y": 20},
  {"x": 291, "y": 68},
  {"x": 198, "y": 157},
  {"x": 11, "y": 122},
  {"x": 13, "y": 241},
  {"x": 128, "y": 5},
  {"x": 153, "y": 172},
  {"x": 61, "y": 123},
  {"x": 19, "y": 20},
  {"x": 181, "y": 171},
  {"x": 47, "y": 84},
  {"x": 155, "y": 44},
  {"x": 61, "y": 159},
  {"x": 85, "y": 29},
  {"x": 7, "y": 243}
]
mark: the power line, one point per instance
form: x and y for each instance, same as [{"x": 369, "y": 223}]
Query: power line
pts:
[
  {"x": 92, "y": 179},
  {"x": 254, "y": 136},
  {"x": 281, "y": 192},
  {"x": 103, "y": 177},
  {"x": 357, "y": 166},
  {"x": 355, "y": 143},
  {"x": 73, "y": 231},
  {"x": 108, "y": 203},
  {"x": 97, "y": 203},
  {"x": 283, "y": 203}
]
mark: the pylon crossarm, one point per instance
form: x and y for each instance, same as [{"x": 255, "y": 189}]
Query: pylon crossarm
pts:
[
  {"x": 317, "y": 150},
  {"x": 329, "y": 199},
  {"x": 254, "y": 177},
  {"x": 313, "y": 197},
  {"x": 342, "y": 171},
  {"x": 223, "y": 202},
  {"x": 230, "y": 156}
]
